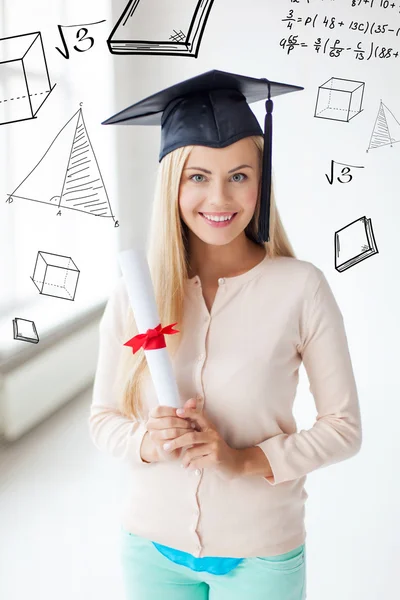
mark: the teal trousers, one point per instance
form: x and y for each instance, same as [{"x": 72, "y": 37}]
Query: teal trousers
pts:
[{"x": 149, "y": 575}]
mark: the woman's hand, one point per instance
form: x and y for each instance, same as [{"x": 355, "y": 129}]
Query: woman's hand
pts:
[
  {"x": 163, "y": 425},
  {"x": 208, "y": 449}
]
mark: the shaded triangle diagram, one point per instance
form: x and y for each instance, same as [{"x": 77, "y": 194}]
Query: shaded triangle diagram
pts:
[
  {"x": 386, "y": 129},
  {"x": 68, "y": 174}
]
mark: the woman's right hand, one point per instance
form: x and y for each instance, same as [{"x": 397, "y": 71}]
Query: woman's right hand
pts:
[{"x": 162, "y": 425}]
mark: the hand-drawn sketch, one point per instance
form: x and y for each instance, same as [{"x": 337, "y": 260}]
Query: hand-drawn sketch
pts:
[
  {"x": 25, "y": 330},
  {"x": 56, "y": 275},
  {"x": 353, "y": 243},
  {"x": 24, "y": 78},
  {"x": 70, "y": 164},
  {"x": 80, "y": 35},
  {"x": 145, "y": 29},
  {"x": 339, "y": 99},
  {"x": 386, "y": 131},
  {"x": 345, "y": 172}
]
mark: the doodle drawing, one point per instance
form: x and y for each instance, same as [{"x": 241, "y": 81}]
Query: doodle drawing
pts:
[
  {"x": 386, "y": 131},
  {"x": 55, "y": 275},
  {"x": 353, "y": 243},
  {"x": 339, "y": 99},
  {"x": 145, "y": 29},
  {"x": 25, "y": 330},
  {"x": 68, "y": 175},
  {"x": 24, "y": 77}
]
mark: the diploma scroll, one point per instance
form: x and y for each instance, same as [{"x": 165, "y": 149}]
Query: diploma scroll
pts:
[{"x": 136, "y": 273}]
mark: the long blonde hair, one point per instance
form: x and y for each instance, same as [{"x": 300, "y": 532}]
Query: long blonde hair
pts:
[{"x": 168, "y": 258}]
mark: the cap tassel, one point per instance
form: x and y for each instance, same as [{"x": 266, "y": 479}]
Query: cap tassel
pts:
[{"x": 263, "y": 221}]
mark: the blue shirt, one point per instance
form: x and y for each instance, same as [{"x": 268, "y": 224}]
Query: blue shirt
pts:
[{"x": 218, "y": 565}]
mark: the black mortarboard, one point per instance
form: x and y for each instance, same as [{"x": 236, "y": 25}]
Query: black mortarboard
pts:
[{"x": 212, "y": 109}]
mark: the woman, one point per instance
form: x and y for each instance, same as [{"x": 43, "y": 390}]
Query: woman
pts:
[{"x": 230, "y": 523}]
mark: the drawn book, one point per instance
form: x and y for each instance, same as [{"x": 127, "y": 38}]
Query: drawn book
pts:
[
  {"x": 354, "y": 243},
  {"x": 144, "y": 28},
  {"x": 25, "y": 330}
]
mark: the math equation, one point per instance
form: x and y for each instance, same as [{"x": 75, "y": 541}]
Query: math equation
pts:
[
  {"x": 336, "y": 35},
  {"x": 334, "y": 48}
]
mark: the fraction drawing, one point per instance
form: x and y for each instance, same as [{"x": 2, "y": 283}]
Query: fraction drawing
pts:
[
  {"x": 55, "y": 275},
  {"x": 24, "y": 78},
  {"x": 24, "y": 330},
  {"x": 68, "y": 175},
  {"x": 386, "y": 131},
  {"x": 353, "y": 243},
  {"x": 339, "y": 99},
  {"x": 145, "y": 29}
]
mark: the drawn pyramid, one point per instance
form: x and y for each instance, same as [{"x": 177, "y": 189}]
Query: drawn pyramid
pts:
[
  {"x": 68, "y": 175},
  {"x": 386, "y": 129}
]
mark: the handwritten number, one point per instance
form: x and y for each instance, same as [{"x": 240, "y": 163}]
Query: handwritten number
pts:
[
  {"x": 345, "y": 173},
  {"x": 83, "y": 38}
]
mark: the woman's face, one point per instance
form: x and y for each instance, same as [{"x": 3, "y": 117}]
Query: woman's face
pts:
[{"x": 220, "y": 180}]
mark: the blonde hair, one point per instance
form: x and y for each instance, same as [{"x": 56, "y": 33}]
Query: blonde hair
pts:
[{"x": 168, "y": 259}]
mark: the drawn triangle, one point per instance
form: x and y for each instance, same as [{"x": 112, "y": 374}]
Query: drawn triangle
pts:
[
  {"x": 83, "y": 188},
  {"x": 386, "y": 129},
  {"x": 45, "y": 182}
]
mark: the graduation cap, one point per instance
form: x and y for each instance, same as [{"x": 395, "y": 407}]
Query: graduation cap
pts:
[{"x": 212, "y": 109}]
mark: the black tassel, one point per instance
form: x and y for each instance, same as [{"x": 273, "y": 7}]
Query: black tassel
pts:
[{"x": 263, "y": 222}]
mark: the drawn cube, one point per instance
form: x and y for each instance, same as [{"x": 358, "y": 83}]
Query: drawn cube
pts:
[
  {"x": 24, "y": 78},
  {"x": 339, "y": 99},
  {"x": 56, "y": 275}
]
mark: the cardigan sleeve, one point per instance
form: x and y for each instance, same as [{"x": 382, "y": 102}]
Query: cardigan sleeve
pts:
[
  {"x": 109, "y": 429},
  {"x": 337, "y": 433}
]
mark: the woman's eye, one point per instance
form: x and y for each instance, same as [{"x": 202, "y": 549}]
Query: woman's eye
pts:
[
  {"x": 197, "y": 175},
  {"x": 241, "y": 174}
]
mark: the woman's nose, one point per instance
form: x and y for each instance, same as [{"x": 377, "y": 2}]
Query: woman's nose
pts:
[{"x": 218, "y": 195}]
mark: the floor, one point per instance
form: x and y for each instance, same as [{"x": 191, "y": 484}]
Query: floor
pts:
[{"x": 59, "y": 513}]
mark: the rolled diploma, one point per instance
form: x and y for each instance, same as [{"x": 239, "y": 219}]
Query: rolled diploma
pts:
[{"x": 136, "y": 273}]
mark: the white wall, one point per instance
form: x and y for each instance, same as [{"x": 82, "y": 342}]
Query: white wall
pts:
[{"x": 353, "y": 521}]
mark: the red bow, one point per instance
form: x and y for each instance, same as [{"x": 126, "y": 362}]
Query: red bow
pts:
[{"x": 153, "y": 339}]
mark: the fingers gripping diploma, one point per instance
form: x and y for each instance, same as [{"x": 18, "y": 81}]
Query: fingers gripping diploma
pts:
[{"x": 208, "y": 449}]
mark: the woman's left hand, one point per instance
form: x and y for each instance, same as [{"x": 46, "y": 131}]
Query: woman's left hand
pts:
[{"x": 209, "y": 448}]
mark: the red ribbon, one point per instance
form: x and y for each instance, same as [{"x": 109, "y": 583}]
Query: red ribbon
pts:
[{"x": 153, "y": 339}]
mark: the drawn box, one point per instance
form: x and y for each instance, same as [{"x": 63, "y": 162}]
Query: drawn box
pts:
[
  {"x": 55, "y": 275},
  {"x": 24, "y": 78},
  {"x": 339, "y": 99}
]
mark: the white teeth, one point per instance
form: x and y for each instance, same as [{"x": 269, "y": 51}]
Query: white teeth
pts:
[{"x": 218, "y": 218}]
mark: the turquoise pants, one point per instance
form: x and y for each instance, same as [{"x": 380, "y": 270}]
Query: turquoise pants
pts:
[{"x": 148, "y": 575}]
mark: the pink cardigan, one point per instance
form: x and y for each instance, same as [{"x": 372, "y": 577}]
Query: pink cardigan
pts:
[{"x": 242, "y": 361}]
